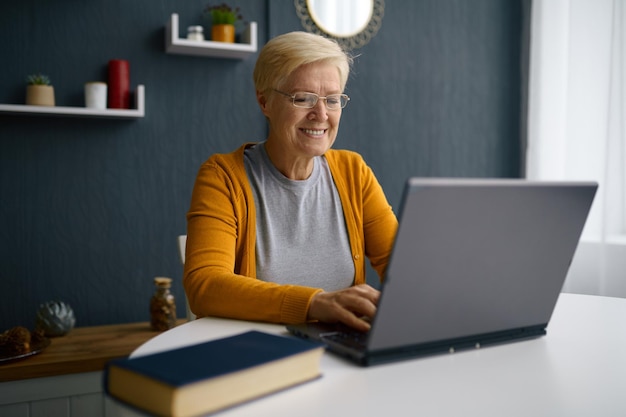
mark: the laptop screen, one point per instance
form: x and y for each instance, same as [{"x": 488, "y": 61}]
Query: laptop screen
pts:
[{"x": 478, "y": 256}]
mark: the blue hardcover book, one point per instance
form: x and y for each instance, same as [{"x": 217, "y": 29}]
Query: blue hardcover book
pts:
[{"x": 210, "y": 376}]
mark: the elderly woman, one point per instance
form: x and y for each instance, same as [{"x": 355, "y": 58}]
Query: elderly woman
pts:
[{"x": 278, "y": 231}]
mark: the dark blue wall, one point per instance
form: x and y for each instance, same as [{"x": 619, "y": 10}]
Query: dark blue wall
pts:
[{"x": 90, "y": 209}]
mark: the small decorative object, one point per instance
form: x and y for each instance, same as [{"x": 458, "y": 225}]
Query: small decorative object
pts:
[
  {"x": 195, "y": 33},
  {"x": 55, "y": 318},
  {"x": 119, "y": 84},
  {"x": 96, "y": 95},
  {"x": 223, "y": 19},
  {"x": 162, "y": 305},
  {"x": 39, "y": 92}
]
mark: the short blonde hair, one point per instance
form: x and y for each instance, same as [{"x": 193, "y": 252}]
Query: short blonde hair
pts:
[{"x": 285, "y": 53}]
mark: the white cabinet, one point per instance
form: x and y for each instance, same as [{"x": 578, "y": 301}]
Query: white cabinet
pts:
[{"x": 74, "y": 395}]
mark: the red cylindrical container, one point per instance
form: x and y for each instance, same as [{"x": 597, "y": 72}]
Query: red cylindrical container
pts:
[{"x": 119, "y": 84}]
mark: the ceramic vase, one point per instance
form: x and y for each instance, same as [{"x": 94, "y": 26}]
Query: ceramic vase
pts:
[{"x": 119, "y": 84}]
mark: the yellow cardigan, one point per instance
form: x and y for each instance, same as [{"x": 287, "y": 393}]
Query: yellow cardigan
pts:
[{"x": 220, "y": 268}]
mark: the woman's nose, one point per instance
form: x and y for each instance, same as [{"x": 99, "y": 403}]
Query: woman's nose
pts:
[{"x": 320, "y": 110}]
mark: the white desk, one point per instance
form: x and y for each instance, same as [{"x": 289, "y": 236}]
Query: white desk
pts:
[{"x": 578, "y": 369}]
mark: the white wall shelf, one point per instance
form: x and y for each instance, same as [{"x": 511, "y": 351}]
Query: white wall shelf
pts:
[
  {"x": 136, "y": 113},
  {"x": 176, "y": 45}
]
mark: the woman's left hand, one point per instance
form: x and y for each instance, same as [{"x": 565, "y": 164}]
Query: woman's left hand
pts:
[{"x": 352, "y": 306}]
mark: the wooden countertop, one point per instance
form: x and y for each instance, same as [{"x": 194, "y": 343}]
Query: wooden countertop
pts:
[{"x": 83, "y": 349}]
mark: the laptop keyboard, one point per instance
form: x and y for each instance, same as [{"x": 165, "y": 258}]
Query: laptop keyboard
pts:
[{"x": 353, "y": 339}]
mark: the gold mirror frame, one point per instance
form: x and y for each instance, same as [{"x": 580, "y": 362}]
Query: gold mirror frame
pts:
[{"x": 355, "y": 41}]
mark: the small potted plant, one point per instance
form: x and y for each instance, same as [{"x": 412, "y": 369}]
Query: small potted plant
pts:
[
  {"x": 39, "y": 92},
  {"x": 223, "y": 19}
]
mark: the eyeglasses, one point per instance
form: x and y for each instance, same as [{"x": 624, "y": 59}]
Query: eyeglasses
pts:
[{"x": 305, "y": 100}]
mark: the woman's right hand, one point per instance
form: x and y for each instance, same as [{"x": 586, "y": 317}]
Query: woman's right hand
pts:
[{"x": 352, "y": 306}]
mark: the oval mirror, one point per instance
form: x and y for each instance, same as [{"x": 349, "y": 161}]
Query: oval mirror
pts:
[{"x": 352, "y": 23}]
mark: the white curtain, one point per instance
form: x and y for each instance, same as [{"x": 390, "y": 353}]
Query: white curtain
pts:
[{"x": 576, "y": 125}]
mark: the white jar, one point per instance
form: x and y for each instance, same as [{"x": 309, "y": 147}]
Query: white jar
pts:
[
  {"x": 96, "y": 95},
  {"x": 195, "y": 33}
]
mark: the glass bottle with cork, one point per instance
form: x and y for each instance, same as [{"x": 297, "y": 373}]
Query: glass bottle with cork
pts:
[{"x": 162, "y": 305}]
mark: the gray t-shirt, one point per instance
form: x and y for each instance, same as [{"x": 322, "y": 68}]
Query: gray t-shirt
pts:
[{"x": 301, "y": 232}]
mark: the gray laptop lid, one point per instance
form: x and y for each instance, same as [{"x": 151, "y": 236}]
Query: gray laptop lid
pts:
[{"x": 476, "y": 257}]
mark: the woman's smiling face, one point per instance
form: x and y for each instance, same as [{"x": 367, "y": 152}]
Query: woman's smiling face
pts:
[{"x": 301, "y": 133}]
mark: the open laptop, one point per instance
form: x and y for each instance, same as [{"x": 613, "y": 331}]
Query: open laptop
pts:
[{"x": 475, "y": 262}]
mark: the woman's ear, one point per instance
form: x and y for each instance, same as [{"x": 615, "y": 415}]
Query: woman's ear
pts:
[{"x": 263, "y": 102}]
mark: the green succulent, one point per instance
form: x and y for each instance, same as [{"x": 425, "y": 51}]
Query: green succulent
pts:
[
  {"x": 38, "y": 79},
  {"x": 223, "y": 14}
]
